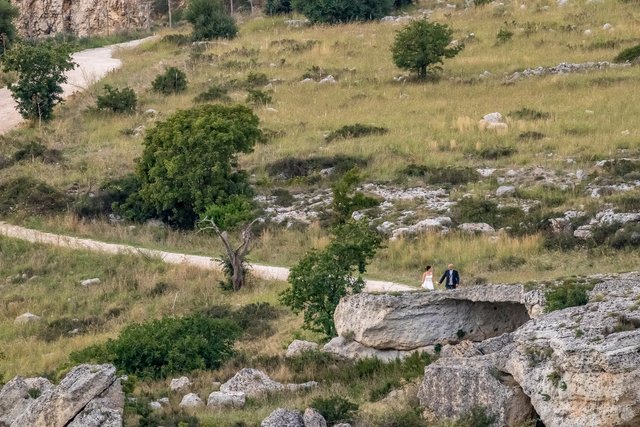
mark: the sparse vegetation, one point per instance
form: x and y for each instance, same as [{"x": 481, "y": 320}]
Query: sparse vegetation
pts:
[
  {"x": 210, "y": 20},
  {"x": 630, "y": 54},
  {"x": 568, "y": 294},
  {"x": 343, "y": 11},
  {"x": 117, "y": 100},
  {"x": 170, "y": 82}
]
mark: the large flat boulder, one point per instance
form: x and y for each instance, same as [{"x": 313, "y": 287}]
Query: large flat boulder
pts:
[{"x": 413, "y": 320}]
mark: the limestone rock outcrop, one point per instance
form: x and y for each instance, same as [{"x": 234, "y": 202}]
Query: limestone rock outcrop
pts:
[
  {"x": 578, "y": 366},
  {"x": 89, "y": 396},
  {"x": 282, "y": 417},
  {"x": 416, "y": 320},
  {"x": 81, "y": 18}
]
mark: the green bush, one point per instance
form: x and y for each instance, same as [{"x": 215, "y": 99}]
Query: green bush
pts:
[
  {"x": 214, "y": 93},
  {"x": 343, "y": 11},
  {"x": 277, "y": 7},
  {"x": 503, "y": 36},
  {"x": 109, "y": 195},
  {"x": 357, "y": 130},
  {"x": 177, "y": 39},
  {"x": 210, "y": 20},
  {"x": 30, "y": 196},
  {"x": 568, "y": 294},
  {"x": 529, "y": 114},
  {"x": 190, "y": 163},
  {"x": 117, "y": 100},
  {"x": 171, "y": 81},
  {"x": 258, "y": 97},
  {"x": 256, "y": 79},
  {"x": 335, "y": 409},
  {"x": 622, "y": 168},
  {"x": 495, "y": 152},
  {"x": 347, "y": 200},
  {"x": 626, "y": 237},
  {"x": 66, "y": 327},
  {"x": 35, "y": 150},
  {"x": 295, "y": 167},
  {"x": 421, "y": 45},
  {"x": 169, "y": 346},
  {"x": 631, "y": 54},
  {"x": 454, "y": 175}
]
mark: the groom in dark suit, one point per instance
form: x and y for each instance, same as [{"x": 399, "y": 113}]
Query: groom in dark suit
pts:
[{"x": 452, "y": 278}]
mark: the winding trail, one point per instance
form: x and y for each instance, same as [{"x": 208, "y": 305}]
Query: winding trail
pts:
[
  {"x": 92, "y": 65},
  {"x": 263, "y": 271}
]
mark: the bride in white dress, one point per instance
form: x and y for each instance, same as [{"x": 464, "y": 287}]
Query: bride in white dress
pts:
[{"x": 427, "y": 279}]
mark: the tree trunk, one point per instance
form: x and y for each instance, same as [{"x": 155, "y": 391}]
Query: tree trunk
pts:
[{"x": 238, "y": 274}]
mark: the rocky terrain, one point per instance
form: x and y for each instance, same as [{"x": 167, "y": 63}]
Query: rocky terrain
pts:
[
  {"x": 81, "y": 18},
  {"x": 573, "y": 367}
]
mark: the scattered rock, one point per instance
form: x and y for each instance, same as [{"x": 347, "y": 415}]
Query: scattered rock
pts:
[
  {"x": 583, "y": 232},
  {"x": 476, "y": 228},
  {"x": 151, "y": 112},
  {"x": 345, "y": 348},
  {"x": 89, "y": 282},
  {"x": 563, "y": 68},
  {"x": 607, "y": 27},
  {"x": 313, "y": 418},
  {"x": 283, "y": 418},
  {"x": 191, "y": 400},
  {"x": 155, "y": 405},
  {"x": 26, "y": 318},
  {"x": 179, "y": 384},
  {"x": 430, "y": 224},
  {"x": 505, "y": 190},
  {"x": 493, "y": 118},
  {"x": 232, "y": 399},
  {"x": 298, "y": 347},
  {"x": 328, "y": 80},
  {"x": 608, "y": 217},
  {"x": 254, "y": 383}
]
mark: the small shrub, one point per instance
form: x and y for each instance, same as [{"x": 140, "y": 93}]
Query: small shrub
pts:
[
  {"x": 283, "y": 197},
  {"x": 256, "y": 79},
  {"x": 454, "y": 175},
  {"x": 569, "y": 294},
  {"x": 35, "y": 150},
  {"x": 510, "y": 262},
  {"x": 171, "y": 81},
  {"x": 30, "y": 196},
  {"x": 294, "y": 46},
  {"x": 529, "y": 114},
  {"x": 293, "y": 167},
  {"x": 335, "y": 409},
  {"x": 34, "y": 393},
  {"x": 159, "y": 289},
  {"x": 117, "y": 100},
  {"x": 495, "y": 152},
  {"x": 357, "y": 130},
  {"x": 66, "y": 326},
  {"x": 631, "y": 54},
  {"x": 258, "y": 97},
  {"x": 109, "y": 195},
  {"x": 624, "y": 324},
  {"x": 503, "y": 36},
  {"x": 400, "y": 417},
  {"x": 177, "y": 39},
  {"x": 460, "y": 333},
  {"x": 478, "y": 416},
  {"x": 214, "y": 93},
  {"x": 531, "y": 136},
  {"x": 622, "y": 168},
  {"x": 626, "y": 237},
  {"x": 277, "y": 7}
]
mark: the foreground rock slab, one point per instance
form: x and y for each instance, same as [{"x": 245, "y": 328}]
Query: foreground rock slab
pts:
[
  {"x": 254, "y": 383},
  {"x": 90, "y": 395}
]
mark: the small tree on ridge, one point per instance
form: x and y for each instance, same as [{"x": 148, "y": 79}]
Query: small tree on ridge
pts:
[{"x": 421, "y": 45}]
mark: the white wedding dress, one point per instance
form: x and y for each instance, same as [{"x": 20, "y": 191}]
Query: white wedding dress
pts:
[{"x": 428, "y": 283}]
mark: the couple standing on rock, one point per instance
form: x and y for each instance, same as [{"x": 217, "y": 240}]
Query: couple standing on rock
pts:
[{"x": 451, "y": 278}]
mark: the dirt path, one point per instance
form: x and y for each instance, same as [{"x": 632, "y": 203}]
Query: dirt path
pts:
[
  {"x": 93, "y": 64},
  {"x": 262, "y": 271}
]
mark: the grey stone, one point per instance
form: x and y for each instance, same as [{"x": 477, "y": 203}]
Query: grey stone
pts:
[
  {"x": 298, "y": 347},
  {"x": 89, "y": 282},
  {"x": 104, "y": 411},
  {"x": 344, "y": 348},
  {"x": 328, "y": 80},
  {"x": 476, "y": 228},
  {"x": 283, "y": 418},
  {"x": 313, "y": 418},
  {"x": 493, "y": 118},
  {"x": 180, "y": 384},
  {"x": 233, "y": 399},
  {"x": 255, "y": 383},
  {"x": 155, "y": 405},
  {"x": 191, "y": 400},
  {"x": 26, "y": 318},
  {"x": 505, "y": 190},
  {"x": 60, "y": 405}
]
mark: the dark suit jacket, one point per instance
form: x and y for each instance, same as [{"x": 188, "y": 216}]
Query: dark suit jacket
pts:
[{"x": 453, "y": 281}]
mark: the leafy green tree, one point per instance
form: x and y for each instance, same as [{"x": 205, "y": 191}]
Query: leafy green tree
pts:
[
  {"x": 190, "y": 163},
  {"x": 7, "y": 29},
  {"x": 342, "y": 11},
  {"x": 210, "y": 20},
  {"x": 40, "y": 68},
  {"x": 346, "y": 199},
  {"x": 421, "y": 45},
  {"x": 322, "y": 277},
  {"x": 277, "y": 7}
]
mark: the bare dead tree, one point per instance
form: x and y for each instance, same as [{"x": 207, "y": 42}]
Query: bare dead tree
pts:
[{"x": 235, "y": 256}]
